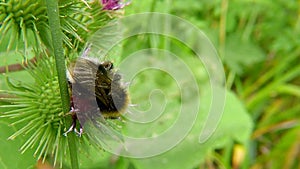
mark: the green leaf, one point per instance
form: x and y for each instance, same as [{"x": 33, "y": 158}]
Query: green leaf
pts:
[
  {"x": 10, "y": 156},
  {"x": 240, "y": 54},
  {"x": 235, "y": 125}
]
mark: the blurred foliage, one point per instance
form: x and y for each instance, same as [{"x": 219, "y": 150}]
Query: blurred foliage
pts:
[{"x": 258, "y": 42}]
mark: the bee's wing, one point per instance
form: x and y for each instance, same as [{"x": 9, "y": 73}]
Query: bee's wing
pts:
[
  {"x": 97, "y": 50},
  {"x": 84, "y": 100},
  {"x": 83, "y": 90},
  {"x": 103, "y": 44},
  {"x": 84, "y": 73}
]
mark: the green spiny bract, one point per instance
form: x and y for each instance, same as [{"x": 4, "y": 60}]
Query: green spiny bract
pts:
[
  {"x": 24, "y": 24},
  {"x": 36, "y": 110},
  {"x": 21, "y": 22}
]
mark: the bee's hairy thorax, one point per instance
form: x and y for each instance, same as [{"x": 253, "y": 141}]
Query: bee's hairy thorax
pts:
[
  {"x": 111, "y": 94},
  {"x": 98, "y": 90}
]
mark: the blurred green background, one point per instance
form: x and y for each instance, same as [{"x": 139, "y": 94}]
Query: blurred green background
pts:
[
  {"x": 259, "y": 45},
  {"x": 258, "y": 42}
]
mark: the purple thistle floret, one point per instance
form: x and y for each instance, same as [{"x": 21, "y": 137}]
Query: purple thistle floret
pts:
[{"x": 113, "y": 4}]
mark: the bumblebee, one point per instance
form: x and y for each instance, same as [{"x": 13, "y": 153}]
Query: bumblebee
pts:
[{"x": 97, "y": 92}]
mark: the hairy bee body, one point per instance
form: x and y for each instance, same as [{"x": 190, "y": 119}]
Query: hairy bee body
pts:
[{"x": 97, "y": 91}]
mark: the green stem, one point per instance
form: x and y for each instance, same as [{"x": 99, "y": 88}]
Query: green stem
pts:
[
  {"x": 56, "y": 33},
  {"x": 273, "y": 87},
  {"x": 222, "y": 31},
  {"x": 283, "y": 65}
]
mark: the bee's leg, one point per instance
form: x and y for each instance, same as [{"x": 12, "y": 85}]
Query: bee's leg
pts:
[
  {"x": 74, "y": 122},
  {"x": 79, "y": 133},
  {"x": 73, "y": 126}
]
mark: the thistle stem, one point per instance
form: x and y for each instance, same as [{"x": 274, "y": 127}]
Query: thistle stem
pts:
[{"x": 56, "y": 33}]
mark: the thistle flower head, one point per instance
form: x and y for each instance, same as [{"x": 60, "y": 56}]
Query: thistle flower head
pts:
[
  {"x": 19, "y": 19},
  {"x": 37, "y": 111},
  {"x": 24, "y": 23},
  {"x": 113, "y": 4}
]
